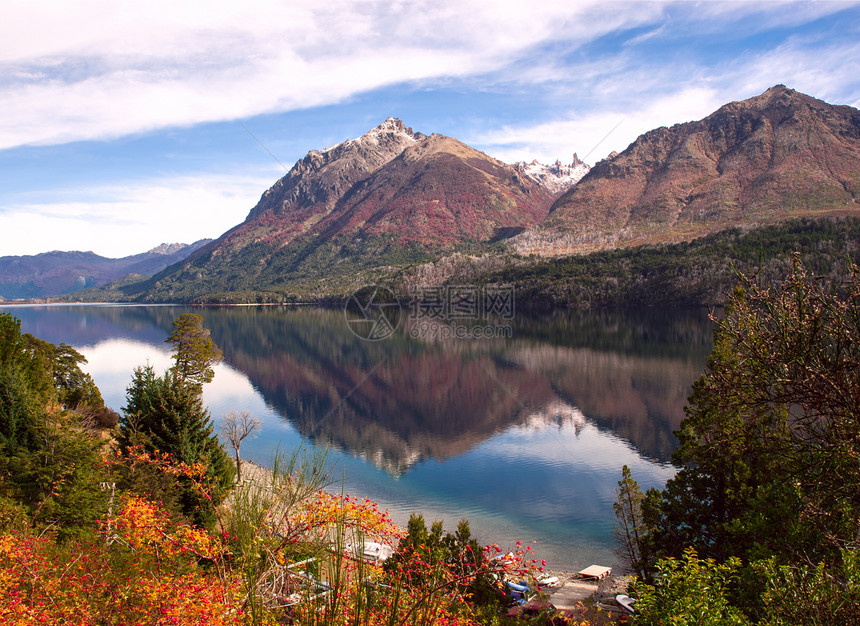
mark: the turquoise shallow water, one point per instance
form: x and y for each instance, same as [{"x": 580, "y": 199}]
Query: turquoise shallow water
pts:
[{"x": 524, "y": 436}]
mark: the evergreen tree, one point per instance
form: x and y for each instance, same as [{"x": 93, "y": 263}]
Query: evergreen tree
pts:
[
  {"x": 75, "y": 388},
  {"x": 18, "y": 412},
  {"x": 769, "y": 453},
  {"x": 770, "y": 444},
  {"x": 49, "y": 464},
  {"x": 59, "y": 480},
  {"x": 193, "y": 350},
  {"x": 26, "y": 360},
  {"x": 167, "y": 414},
  {"x": 630, "y": 528}
]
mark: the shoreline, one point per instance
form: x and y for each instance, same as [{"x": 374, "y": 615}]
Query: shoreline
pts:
[{"x": 608, "y": 587}]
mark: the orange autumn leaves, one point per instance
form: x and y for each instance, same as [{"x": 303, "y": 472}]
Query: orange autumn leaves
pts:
[
  {"x": 145, "y": 528},
  {"x": 149, "y": 579},
  {"x": 147, "y": 569},
  {"x": 142, "y": 567},
  {"x": 327, "y": 510}
]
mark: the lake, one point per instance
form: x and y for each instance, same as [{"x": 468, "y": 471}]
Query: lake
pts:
[{"x": 519, "y": 424}]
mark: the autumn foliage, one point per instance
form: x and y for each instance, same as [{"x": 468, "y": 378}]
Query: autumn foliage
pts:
[
  {"x": 93, "y": 537},
  {"x": 148, "y": 574},
  {"x": 143, "y": 567}
]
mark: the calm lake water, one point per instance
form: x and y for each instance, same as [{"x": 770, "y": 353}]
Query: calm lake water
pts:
[{"x": 523, "y": 434}]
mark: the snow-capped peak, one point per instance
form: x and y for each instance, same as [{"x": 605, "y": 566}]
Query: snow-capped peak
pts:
[
  {"x": 391, "y": 129},
  {"x": 391, "y": 125},
  {"x": 557, "y": 177},
  {"x": 167, "y": 248}
]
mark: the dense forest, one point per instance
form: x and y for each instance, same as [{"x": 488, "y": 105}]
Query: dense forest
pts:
[
  {"x": 701, "y": 272},
  {"x": 761, "y": 522}
]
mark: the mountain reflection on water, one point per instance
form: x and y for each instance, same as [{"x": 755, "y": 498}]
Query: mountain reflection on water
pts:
[
  {"x": 523, "y": 436},
  {"x": 401, "y": 401}
]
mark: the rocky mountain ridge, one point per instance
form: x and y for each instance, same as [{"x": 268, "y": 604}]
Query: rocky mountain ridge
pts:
[
  {"x": 323, "y": 176},
  {"x": 378, "y": 183},
  {"x": 557, "y": 177},
  {"x": 389, "y": 196},
  {"x": 773, "y": 157},
  {"x": 386, "y": 205}
]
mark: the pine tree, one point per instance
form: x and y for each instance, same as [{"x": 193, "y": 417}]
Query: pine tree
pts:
[
  {"x": 167, "y": 414},
  {"x": 770, "y": 444},
  {"x": 49, "y": 464},
  {"x": 630, "y": 529},
  {"x": 193, "y": 350}
]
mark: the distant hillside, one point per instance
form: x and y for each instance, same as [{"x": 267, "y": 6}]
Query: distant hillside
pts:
[
  {"x": 58, "y": 273},
  {"x": 773, "y": 157},
  {"x": 701, "y": 272}
]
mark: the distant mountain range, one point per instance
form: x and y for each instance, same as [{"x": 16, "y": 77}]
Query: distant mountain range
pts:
[
  {"x": 405, "y": 208},
  {"x": 56, "y": 273},
  {"x": 557, "y": 178}
]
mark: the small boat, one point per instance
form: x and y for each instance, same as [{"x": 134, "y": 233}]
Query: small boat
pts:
[
  {"x": 548, "y": 581},
  {"x": 518, "y": 591},
  {"x": 371, "y": 551},
  {"x": 521, "y": 586},
  {"x": 626, "y": 603}
]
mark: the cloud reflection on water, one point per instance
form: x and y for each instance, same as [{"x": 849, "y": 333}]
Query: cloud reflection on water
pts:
[{"x": 525, "y": 438}]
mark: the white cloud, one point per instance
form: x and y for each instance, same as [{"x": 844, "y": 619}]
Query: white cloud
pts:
[
  {"x": 743, "y": 18},
  {"x": 595, "y": 135},
  {"x": 821, "y": 69},
  {"x": 178, "y": 209},
  {"x": 96, "y": 69}
]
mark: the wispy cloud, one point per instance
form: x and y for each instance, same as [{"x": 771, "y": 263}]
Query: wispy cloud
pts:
[
  {"x": 97, "y": 70},
  {"x": 799, "y": 63},
  {"x": 86, "y": 70},
  {"x": 626, "y": 94},
  {"x": 518, "y": 80}
]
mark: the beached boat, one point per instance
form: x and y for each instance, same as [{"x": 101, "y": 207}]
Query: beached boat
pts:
[{"x": 626, "y": 603}]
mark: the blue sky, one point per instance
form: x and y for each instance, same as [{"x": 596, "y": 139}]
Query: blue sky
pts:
[{"x": 127, "y": 124}]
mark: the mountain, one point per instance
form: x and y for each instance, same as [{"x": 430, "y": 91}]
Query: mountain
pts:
[
  {"x": 760, "y": 161},
  {"x": 57, "y": 273},
  {"x": 345, "y": 214},
  {"x": 322, "y": 177},
  {"x": 415, "y": 210},
  {"x": 557, "y": 178}
]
